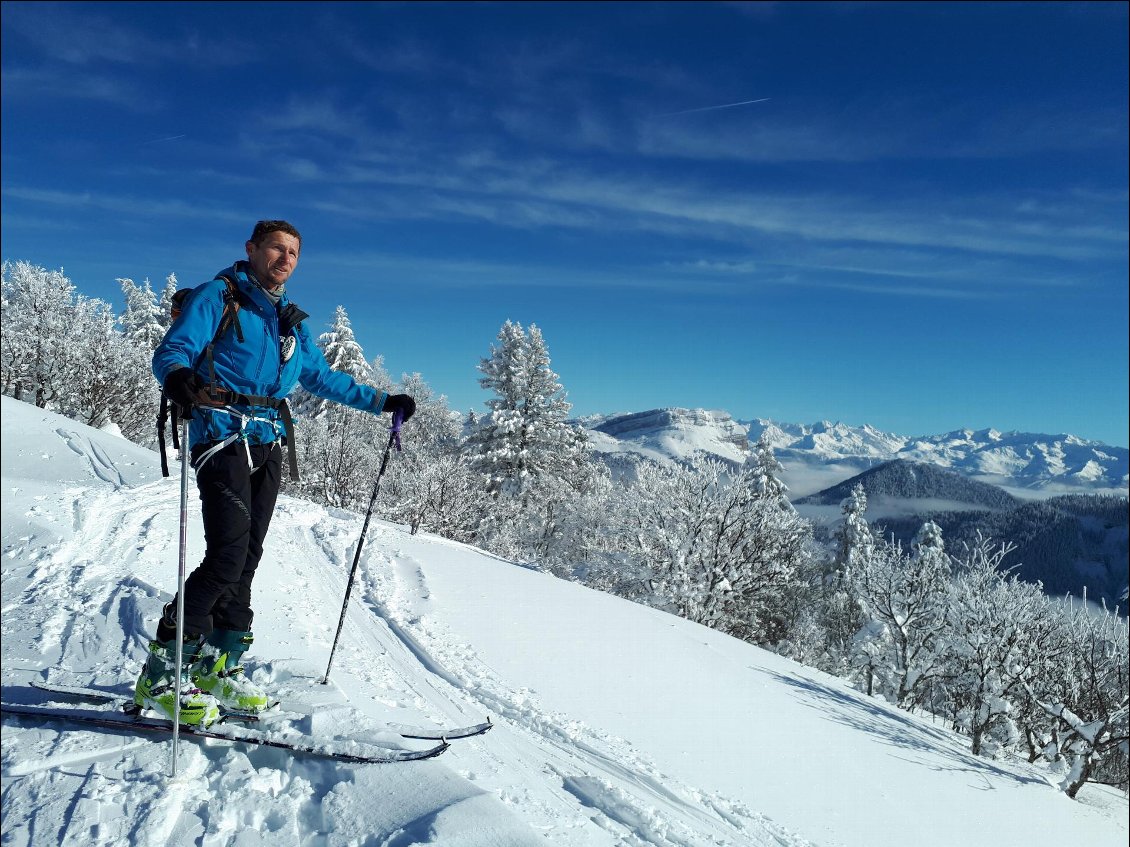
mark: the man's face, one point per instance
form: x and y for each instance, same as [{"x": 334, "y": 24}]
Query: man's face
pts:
[{"x": 274, "y": 258}]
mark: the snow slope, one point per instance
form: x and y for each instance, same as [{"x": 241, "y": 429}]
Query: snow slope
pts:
[{"x": 615, "y": 724}]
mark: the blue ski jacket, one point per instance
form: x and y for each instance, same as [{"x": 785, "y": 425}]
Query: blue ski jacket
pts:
[{"x": 253, "y": 366}]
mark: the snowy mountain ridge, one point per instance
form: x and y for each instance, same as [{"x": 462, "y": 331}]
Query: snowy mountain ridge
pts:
[{"x": 1037, "y": 464}]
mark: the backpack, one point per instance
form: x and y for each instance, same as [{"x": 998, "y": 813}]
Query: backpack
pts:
[{"x": 291, "y": 318}]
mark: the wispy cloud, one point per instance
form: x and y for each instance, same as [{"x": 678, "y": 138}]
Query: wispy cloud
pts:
[
  {"x": 77, "y": 35},
  {"x": 126, "y": 205},
  {"x": 66, "y": 84}
]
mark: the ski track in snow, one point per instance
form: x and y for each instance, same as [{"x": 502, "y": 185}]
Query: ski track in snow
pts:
[
  {"x": 91, "y": 601},
  {"x": 659, "y": 811},
  {"x": 101, "y": 465}
]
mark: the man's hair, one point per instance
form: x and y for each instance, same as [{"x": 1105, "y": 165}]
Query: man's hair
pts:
[{"x": 264, "y": 228}]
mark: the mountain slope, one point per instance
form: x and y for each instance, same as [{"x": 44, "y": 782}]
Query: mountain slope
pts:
[
  {"x": 904, "y": 480},
  {"x": 615, "y": 724}
]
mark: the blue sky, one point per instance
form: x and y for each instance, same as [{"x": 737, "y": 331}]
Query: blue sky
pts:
[{"x": 920, "y": 224}]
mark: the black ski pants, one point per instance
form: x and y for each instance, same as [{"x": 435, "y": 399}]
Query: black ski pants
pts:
[{"x": 237, "y": 503}]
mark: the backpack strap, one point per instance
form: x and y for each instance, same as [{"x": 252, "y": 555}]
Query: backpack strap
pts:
[{"x": 230, "y": 318}]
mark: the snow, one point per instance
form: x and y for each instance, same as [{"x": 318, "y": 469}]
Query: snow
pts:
[{"x": 615, "y": 724}]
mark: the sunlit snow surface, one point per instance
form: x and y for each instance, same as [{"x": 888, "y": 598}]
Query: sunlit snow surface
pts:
[{"x": 615, "y": 724}]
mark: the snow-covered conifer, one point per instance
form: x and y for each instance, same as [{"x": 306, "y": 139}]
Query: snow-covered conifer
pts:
[
  {"x": 165, "y": 302},
  {"x": 343, "y": 446},
  {"x": 344, "y": 353},
  {"x": 855, "y": 539},
  {"x": 141, "y": 321},
  {"x": 527, "y": 435},
  {"x": 767, "y": 473}
]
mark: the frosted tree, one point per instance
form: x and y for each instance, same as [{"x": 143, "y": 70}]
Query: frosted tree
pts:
[
  {"x": 720, "y": 553},
  {"x": 903, "y": 600},
  {"x": 929, "y": 545},
  {"x": 1001, "y": 632},
  {"x": 141, "y": 321},
  {"x": 344, "y": 353},
  {"x": 1085, "y": 699},
  {"x": 835, "y": 611},
  {"x": 165, "y": 303},
  {"x": 432, "y": 483},
  {"x": 40, "y": 316},
  {"x": 341, "y": 447},
  {"x": 527, "y": 438},
  {"x": 111, "y": 386},
  {"x": 534, "y": 462},
  {"x": 767, "y": 472},
  {"x": 855, "y": 540}
]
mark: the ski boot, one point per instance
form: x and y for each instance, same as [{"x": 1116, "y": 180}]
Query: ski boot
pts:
[
  {"x": 156, "y": 687},
  {"x": 218, "y": 672}
]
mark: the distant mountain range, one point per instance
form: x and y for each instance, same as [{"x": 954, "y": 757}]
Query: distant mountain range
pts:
[
  {"x": 817, "y": 456},
  {"x": 968, "y": 482}
]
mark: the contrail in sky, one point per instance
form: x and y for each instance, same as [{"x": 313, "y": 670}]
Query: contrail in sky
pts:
[
  {"x": 712, "y": 108},
  {"x": 159, "y": 140}
]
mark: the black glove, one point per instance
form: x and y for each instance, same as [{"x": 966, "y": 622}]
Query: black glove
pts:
[
  {"x": 183, "y": 387},
  {"x": 400, "y": 403}
]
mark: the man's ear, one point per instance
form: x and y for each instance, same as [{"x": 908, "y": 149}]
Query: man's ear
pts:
[{"x": 249, "y": 246}]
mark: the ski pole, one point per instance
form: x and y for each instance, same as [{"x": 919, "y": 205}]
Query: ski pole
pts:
[
  {"x": 180, "y": 589},
  {"x": 393, "y": 438}
]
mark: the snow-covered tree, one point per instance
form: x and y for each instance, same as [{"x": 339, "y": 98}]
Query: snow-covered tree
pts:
[
  {"x": 767, "y": 472},
  {"x": 719, "y": 551},
  {"x": 903, "y": 601},
  {"x": 1086, "y": 699},
  {"x": 527, "y": 435},
  {"x": 39, "y": 318},
  {"x": 111, "y": 386},
  {"x": 433, "y": 483},
  {"x": 1001, "y": 631},
  {"x": 855, "y": 540},
  {"x": 340, "y": 447},
  {"x": 165, "y": 303},
  {"x": 344, "y": 353},
  {"x": 141, "y": 321},
  {"x": 827, "y": 610},
  {"x": 61, "y": 351}
]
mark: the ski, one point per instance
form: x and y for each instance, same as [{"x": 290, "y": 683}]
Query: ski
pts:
[
  {"x": 99, "y": 695},
  {"x": 353, "y": 752},
  {"x": 446, "y": 734}
]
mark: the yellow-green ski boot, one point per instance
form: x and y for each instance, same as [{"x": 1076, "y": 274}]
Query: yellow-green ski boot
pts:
[
  {"x": 156, "y": 687},
  {"x": 219, "y": 673}
]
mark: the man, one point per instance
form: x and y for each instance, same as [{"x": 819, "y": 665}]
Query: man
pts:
[{"x": 231, "y": 369}]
